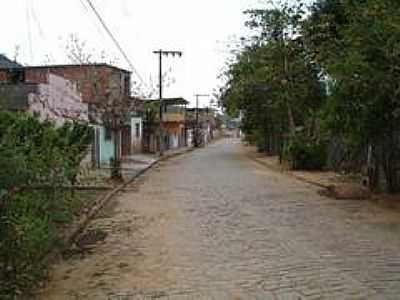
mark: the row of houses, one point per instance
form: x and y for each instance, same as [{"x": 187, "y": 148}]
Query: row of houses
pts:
[{"x": 96, "y": 93}]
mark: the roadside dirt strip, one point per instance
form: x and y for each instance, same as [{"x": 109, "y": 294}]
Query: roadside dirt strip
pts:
[{"x": 78, "y": 227}]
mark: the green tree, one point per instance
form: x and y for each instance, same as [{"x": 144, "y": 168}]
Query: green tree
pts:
[
  {"x": 364, "y": 106},
  {"x": 273, "y": 80}
]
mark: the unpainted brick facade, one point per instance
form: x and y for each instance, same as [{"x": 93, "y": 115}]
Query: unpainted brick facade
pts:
[{"x": 95, "y": 81}]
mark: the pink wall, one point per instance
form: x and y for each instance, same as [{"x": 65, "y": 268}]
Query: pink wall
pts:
[{"x": 58, "y": 100}]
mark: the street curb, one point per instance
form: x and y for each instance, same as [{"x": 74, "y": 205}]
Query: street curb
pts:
[
  {"x": 172, "y": 155},
  {"x": 106, "y": 198},
  {"x": 289, "y": 174},
  {"x": 84, "y": 221},
  {"x": 100, "y": 203}
]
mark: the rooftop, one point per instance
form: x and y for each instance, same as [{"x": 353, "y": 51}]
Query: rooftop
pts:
[
  {"x": 63, "y": 66},
  {"x": 6, "y": 63},
  {"x": 200, "y": 109},
  {"x": 169, "y": 101}
]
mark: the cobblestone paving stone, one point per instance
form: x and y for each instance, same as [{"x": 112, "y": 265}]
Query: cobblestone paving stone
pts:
[{"x": 214, "y": 225}]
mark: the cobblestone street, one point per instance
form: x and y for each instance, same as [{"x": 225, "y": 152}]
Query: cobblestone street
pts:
[{"x": 212, "y": 224}]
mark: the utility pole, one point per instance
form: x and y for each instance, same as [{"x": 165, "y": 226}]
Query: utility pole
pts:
[
  {"x": 196, "y": 132},
  {"x": 160, "y": 54}
]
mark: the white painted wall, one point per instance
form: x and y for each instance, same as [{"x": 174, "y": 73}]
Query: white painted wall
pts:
[
  {"x": 136, "y": 136},
  {"x": 174, "y": 141},
  {"x": 59, "y": 101}
]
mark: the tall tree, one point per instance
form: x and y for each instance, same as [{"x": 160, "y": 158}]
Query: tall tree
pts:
[
  {"x": 364, "y": 106},
  {"x": 273, "y": 79}
]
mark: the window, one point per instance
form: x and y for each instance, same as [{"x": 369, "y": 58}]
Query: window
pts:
[
  {"x": 16, "y": 75},
  {"x": 107, "y": 134},
  {"x": 125, "y": 84},
  {"x": 137, "y": 130}
]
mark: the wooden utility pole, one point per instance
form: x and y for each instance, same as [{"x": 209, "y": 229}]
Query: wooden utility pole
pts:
[{"x": 160, "y": 54}]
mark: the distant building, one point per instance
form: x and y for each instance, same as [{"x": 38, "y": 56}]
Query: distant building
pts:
[
  {"x": 204, "y": 119},
  {"x": 173, "y": 124}
]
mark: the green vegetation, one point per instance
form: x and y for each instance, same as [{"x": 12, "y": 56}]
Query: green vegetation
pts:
[
  {"x": 36, "y": 161},
  {"x": 305, "y": 153},
  {"x": 327, "y": 72}
]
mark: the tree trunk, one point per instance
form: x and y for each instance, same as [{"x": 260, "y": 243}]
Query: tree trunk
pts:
[
  {"x": 389, "y": 161},
  {"x": 116, "y": 162},
  {"x": 373, "y": 167},
  {"x": 292, "y": 125}
]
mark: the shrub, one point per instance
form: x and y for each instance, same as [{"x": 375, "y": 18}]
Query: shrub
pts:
[
  {"x": 36, "y": 159},
  {"x": 306, "y": 153}
]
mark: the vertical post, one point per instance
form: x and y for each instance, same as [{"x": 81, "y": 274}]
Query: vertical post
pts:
[
  {"x": 197, "y": 110},
  {"x": 161, "y": 135},
  {"x": 160, "y": 74},
  {"x": 196, "y": 131},
  {"x": 185, "y": 129}
]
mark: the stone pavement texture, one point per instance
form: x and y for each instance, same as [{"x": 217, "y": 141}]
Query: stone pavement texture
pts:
[{"x": 212, "y": 224}]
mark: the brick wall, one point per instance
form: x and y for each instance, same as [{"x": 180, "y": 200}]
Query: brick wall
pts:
[
  {"x": 3, "y": 76},
  {"x": 93, "y": 81}
]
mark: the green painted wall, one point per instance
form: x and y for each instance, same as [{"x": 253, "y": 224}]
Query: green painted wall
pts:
[{"x": 106, "y": 147}]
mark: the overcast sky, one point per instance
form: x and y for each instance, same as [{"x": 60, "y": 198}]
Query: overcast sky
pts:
[{"x": 201, "y": 29}]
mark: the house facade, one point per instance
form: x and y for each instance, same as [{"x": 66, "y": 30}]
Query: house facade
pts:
[
  {"x": 171, "y": 130},
  {"x": 106, "y": 91},
  {"x": 52, "y": 98},
  {"x": 202, "y": 121},
  {"x": 174, "y": 119},
  {"x": 93, "y": 93}
]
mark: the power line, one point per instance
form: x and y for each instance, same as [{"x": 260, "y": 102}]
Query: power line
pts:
[
  {"x": 36, "y": 19},
  {"x": 83, "y": 4},
  {"x": 115, "y": 41},
  {"x": 94, "y": 22}
]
